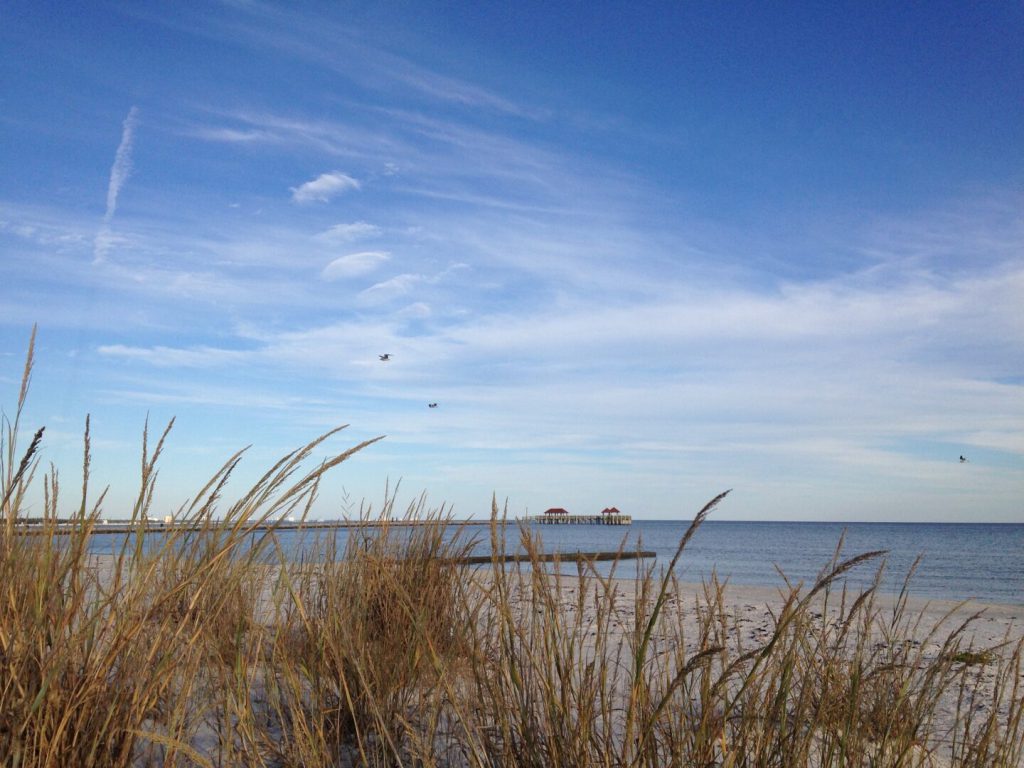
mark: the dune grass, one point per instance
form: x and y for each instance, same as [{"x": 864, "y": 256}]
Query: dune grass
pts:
[{"x": 216, "y": 646}]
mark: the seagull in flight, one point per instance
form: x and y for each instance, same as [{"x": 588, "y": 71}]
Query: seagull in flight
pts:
[
  {"x": 431, "y": 405},
  {"x": 385, "y": 357}
]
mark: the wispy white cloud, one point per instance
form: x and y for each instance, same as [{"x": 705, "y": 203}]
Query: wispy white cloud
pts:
[
  {"x": 347, "y": 233},
  {"x": 324, "y": 187},
  {"x": 188, "y": 393},
  {"x": 445, "y": 158},
  {"x": 331, "y": 137},
  {"x": 1009, "y": 440},
  {"x": 44, "y": 228},
  {"x": 122, "y": 166},
  {"x": 451, "y": 89},
  {"x": 418, "y": 310},
  {"x": 354, "y": 264},
  {"x": 175, "y": 357},
  {"x": 231, "y": 135},
  {"x": 810, "y": 316},
  {"x": 390, "y": 290},
  {"x": 119, "y": 173},
  {"x": 403, "y": 285},
  {"x": 346, "y": 51}
]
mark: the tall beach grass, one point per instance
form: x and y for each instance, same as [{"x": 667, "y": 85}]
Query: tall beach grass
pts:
[{"x": 211, "y": 645}]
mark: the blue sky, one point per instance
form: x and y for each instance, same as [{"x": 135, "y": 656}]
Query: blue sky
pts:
[{"x": 637, "y": 254}]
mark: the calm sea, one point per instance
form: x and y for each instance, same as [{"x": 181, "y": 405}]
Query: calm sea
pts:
[{"x": 959, "y": 561}]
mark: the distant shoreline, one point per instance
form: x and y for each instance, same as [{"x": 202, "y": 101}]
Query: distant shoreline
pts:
[
  {"x": 156, "y": 526},
  {"x": 126, "y": 526}
]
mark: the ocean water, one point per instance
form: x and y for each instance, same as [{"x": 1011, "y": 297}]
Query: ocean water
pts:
[{"x": 958, "y": 561}]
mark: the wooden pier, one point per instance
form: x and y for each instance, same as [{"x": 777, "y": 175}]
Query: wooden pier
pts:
[
  {"x": 583, "y": 519},
  {"x": 64, "y": 527}
]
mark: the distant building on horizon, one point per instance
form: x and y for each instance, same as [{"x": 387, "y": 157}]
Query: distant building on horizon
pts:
[
  {"x": 556, "y": 511},
  {"x": 610, "y": 511}
]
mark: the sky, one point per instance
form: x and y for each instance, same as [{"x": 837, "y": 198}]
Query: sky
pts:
[{"x": 637, "y": 253}]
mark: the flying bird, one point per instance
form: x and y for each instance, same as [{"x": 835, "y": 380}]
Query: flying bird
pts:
[
  {"x": 963, "y": 460},
  {"x": 431, "y": 405},
  {"x": 385, "y": 357}
]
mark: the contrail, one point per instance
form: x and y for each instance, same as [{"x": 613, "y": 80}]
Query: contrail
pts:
[{"x": 119, "y": 173}]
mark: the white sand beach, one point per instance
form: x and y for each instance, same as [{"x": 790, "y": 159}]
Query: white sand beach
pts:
[{"x": 985, "y": 631}]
